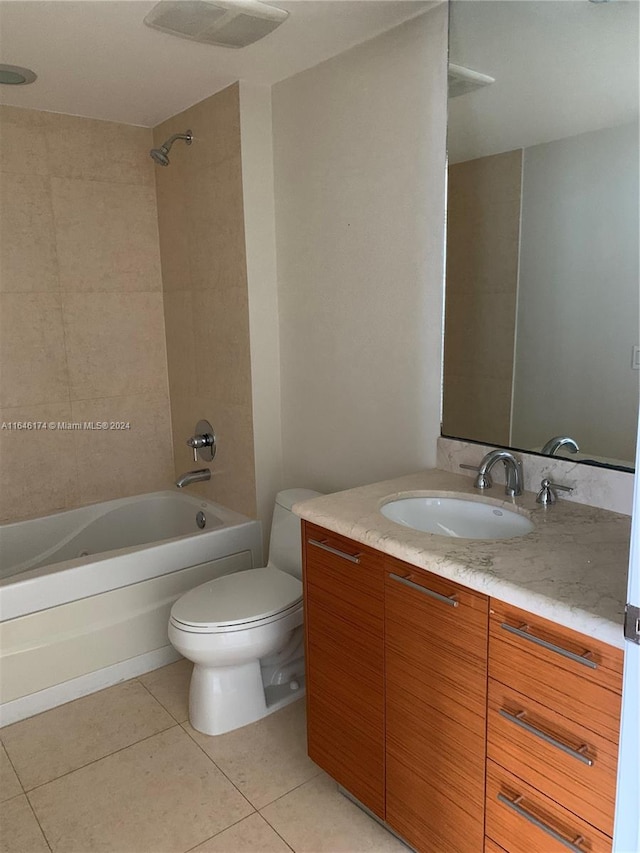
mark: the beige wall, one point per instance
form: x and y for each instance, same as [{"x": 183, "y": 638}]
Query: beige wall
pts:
[
  {"x": 200, "y": 216},
  {"x": 81, "y": 320},
  {"x": 359, "y": 153},
  {"x": 483, "y": 233}
]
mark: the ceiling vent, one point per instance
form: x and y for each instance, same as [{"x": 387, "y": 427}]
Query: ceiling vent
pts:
[
  {"x": 463, "y": 80},
  {"x": 225, "y": 23}
]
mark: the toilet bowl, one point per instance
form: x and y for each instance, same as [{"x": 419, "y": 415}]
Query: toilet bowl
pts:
[{"x": 244, "y": 633}]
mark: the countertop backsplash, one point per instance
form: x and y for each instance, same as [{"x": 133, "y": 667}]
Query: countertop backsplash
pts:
[{"x": 600, "y": 487}]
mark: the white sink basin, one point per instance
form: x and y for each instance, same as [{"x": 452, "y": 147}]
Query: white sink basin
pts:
[{"x": 457, "y": 517}]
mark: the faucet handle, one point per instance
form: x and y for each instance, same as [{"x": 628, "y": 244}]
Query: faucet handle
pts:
[
  {"x": 197, "y": 442},
  {"x": 470, "y": 467},
  {"x": 547, "y": 494},
  {"x": 203, "y": 442}
]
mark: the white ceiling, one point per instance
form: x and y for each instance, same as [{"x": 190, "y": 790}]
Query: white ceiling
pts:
[
  {"x": 96, "y": 58},
  {"x": 562, "y": 67}
]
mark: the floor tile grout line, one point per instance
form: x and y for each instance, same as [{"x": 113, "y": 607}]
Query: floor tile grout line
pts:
[
  {"x": 102, "y": 757},
  {"x": 295, "y": 788},
  {"x": 173, "y": 716},
  {"x": 13, "y": 767},
  {"x": 217, "y": 766},
  {"x": 271, "y": 826},
  {"x": 216, "y": 834},
  {"x": 37, "y": 820}
]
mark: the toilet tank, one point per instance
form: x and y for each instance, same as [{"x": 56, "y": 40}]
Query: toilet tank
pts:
[{"x": 285, "y": 549}]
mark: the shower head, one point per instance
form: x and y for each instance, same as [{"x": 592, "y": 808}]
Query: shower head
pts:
[{"x": 161, "y": 155}]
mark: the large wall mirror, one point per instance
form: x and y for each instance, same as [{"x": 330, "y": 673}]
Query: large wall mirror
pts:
[{"x": 542, "y": 308}]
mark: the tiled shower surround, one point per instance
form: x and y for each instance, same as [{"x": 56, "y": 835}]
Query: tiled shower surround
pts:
[
  {"x": 81, "y": 313},
  {"x": 83, "y": 310}
]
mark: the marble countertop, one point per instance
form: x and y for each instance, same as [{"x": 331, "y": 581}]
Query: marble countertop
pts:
[{"x": 572, "y": 568}]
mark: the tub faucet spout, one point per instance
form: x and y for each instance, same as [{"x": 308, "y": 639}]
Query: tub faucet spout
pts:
[{"x": 193, "y": 477}]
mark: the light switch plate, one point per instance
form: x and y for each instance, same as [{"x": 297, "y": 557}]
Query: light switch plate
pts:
[{"x": 635, "y": 358}]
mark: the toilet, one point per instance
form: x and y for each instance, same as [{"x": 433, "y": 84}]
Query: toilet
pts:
[{"x": 244, "y": 633}]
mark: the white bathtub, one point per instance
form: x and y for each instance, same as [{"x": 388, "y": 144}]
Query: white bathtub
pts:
[{"x": 85, "y": 594}]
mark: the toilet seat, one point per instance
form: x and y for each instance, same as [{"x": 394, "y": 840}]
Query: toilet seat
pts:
[{"x": 238, "y": 601}]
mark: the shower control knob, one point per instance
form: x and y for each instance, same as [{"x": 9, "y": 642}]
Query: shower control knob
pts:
[{"x": 203, "y": 442}]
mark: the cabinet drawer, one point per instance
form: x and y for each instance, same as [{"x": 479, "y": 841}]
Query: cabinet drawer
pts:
[
  {"x": 564, "y": 760},
  {"x": 522, "y": 820},
  {"x": 570, "y": 673}
]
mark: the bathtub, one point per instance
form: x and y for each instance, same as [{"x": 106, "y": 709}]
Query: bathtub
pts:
[{"x": 85, "y": 595}]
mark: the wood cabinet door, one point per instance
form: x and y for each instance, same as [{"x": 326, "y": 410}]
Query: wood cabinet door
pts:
[
  {"x": 436, "y": 635},
  {"x": 344, "y": 625}
]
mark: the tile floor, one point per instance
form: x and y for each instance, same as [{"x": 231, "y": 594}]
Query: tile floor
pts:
[{"x": 123, "y": 771}]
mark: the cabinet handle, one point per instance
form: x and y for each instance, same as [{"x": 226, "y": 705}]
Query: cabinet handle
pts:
[
  {"x": 518, "y": 720},
  {"x": 515, "y": 806},
  {"x": 451, "y": 600},
  {"x": 525, "y": 635},
  {"x": 354, "y": 558}
]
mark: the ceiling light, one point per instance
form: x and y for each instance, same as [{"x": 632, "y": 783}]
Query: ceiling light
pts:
[{"x": 13, "y": 75}]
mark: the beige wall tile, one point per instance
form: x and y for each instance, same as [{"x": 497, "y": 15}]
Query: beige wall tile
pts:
[
  {"x": 216, "y": 226},
  {"x": 232, "y": 481},
  {"x": 107, "y": 236},
  {"x": 115, "y": 345},
  {"x": 477, "y": 409},
  {"x": 266, "y": 759},
  {"x": 173, "y": 202},
  {"x": 483, "y": 232},
  {"x": 221, "y": 334},
  {"x": 185, "y": 414},
  {"x": 98, "y": 150},
  {"x": 215, "y": 124},
  {"x": 103, "y": 228},
  {"x": 49, "y": 745},
  {"x": 33, "y": 365},
  {"x": 27, "y": 239},
  {"x": 9, "y": 783},
  {"x": 37, "y": 467},
  {"x": 23, "y": 147},
  {"x": 480, "y": 334},
  {"x": 184, "y": 368},
  {"x": 201, "y": 223},
  {"x": 114, "y": 463},
  {"x": 20, "y": 830},
  {"x": 161, "y": 795},
  {"x": 251, "y": 835}
]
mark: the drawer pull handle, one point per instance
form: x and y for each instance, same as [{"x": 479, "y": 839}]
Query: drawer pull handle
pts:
[
  {"x": 518, "y": 720},
  {"x": 523, "y": 632},
  {"x": 354, "y": 558},
  {"x": 515, "y": 806},
  {"x": 451, "y": 600}
]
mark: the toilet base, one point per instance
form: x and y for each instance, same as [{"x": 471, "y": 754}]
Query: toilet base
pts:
[{"x": 225, "y": 698}]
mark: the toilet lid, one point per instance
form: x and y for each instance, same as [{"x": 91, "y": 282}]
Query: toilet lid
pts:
[{"x": 240, "y": 597}]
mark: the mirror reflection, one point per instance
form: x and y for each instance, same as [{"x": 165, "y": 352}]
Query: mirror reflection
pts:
[{"x": 542, "y": 297}]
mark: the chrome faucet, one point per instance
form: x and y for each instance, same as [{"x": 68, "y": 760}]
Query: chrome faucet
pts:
[
  {"x": 512, "y": 467},
  {"x": 193, "y": 477},
  {"x": 554, "y": 444}
]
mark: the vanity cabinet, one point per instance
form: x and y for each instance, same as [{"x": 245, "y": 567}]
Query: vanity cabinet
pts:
[
  {"x": 344, "y": 647},
  {"x": 436, "y": 693},
  {"x": 467, "y": 724}
]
